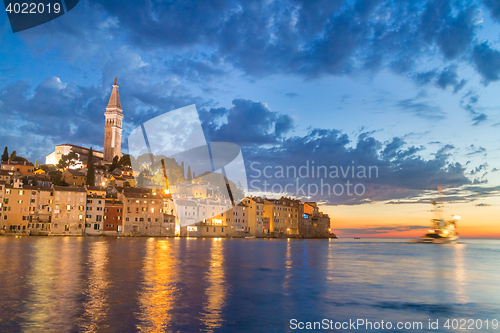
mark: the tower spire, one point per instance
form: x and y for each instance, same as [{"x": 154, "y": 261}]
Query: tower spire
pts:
[
  {"x": 113, "y": 126},
  {"x": 114, "y": 100}
]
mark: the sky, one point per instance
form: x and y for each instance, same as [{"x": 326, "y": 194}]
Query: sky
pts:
[{"x": 409, "y": 88}]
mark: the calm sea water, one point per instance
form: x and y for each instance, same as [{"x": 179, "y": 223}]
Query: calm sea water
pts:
[{"x": 150, "y": 284}]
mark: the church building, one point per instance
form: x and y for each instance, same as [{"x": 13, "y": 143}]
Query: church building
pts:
[{"x": 112, "y": 137}]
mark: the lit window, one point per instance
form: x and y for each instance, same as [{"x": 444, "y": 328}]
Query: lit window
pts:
[
  {"x": 152, "y": 210},
  {"x": 68, "y": 207}
]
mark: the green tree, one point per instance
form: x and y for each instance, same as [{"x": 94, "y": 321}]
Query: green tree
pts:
[
  {"x": 189, "y": 177},
  {"x": 13, "y": 156},
  {"x": 114, "y": 164},
  {"x": 125, "y": 160},
  {"x": 68, "y": 160},
  {"x": 56, "y": 177},
  {"x": 36, "y": 164},
  {"x": 90, "y": 169},
  {"x": 182, "y": 170},
  {"x": 5, "y": 156}
]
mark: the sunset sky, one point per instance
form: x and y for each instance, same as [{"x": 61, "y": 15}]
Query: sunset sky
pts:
[{"x": 410, "y": 87}]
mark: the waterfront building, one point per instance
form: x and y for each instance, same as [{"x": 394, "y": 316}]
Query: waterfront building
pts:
[
  {"x": 142, "y": 211},
  {"x": 240, "y": 217},
  {"x": 94, "y": 214},
  {"x": 15, "y": 210},
  {"x": 113, "y": 217},
  {"x": 68, "y": 214},
  {"x": 41, "y": 200},
  {"x": 255, "y": 213}
]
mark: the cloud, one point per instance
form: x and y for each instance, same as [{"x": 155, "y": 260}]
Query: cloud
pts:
[
  {"x": 471, "y": 106},
  {"x": 378, "y": 230},
  {"x": 449, "y": 77},
  {"x": 398, "y": 170},
  {"x": 247, "y": 123},
  {"x": 487, "y": 62},
  {"x": 291, "y": 94},
  {"x": 421, "y": 109},
  {"x": 494, "y": 7}
]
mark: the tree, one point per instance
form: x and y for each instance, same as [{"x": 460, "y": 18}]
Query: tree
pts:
[
  {"x": 36, "y": 164},
  {"x": 5, "y": 156},
  {"x": 90, "y": 169},
  {"x": 125, "y": 160},
  {"x": 114, "y": 164},
  {"x": 56, "y": 177},
  {"x": 182, "y": 170},
  {"x": 68, "y": 160},
  {"x": 13, "y": 156},
  {"x": 189, "y": 178}
]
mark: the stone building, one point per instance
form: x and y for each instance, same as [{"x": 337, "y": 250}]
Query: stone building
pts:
[
  {"x": 94, "y": 214},
  {"x": 68, "y": 214}
]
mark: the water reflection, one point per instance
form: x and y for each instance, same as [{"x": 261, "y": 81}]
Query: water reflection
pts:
[
  {"x": 216, "y": 290},
  {"x": 159, "y": 292},
  {"x": 460, "y": 273},
  {"x": 288, "y": 268},
  {"x": 95, "y": 307},
  {"x": 41, "y": 305}
]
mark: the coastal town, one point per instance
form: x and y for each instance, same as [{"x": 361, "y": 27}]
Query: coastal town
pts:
[{"x": 80, "y": 191}]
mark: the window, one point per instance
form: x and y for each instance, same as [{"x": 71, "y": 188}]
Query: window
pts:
[
  {"x": 80, "y": 217},
  {"x": 105, "y": 210},
  {"x": 149, "y": 219},
  {"x": 126, "y": 219},
  {"x": 119, "y": 210},
  {"x": 80, "y": 207},
  {"x": 21, "y": 192},
  {"x": 96, "y": 226},
  {"x": 119, "y": 218},
  {"x": 98, "y": 218},
  {"x": 19, "y": 201},
  {"x": 7, "y": 191},
  {"x": 152, "y": 210},
  {"x": 6, "y": 200},
  {"x": 89, "y": 201},
  {"x": 68, "y": 207},
  {"x": 143, "y": 209},
  {"x": 141, "y": 219},
  {"x": 105, "y": 217},
  {"x": 99, "y": 208}
]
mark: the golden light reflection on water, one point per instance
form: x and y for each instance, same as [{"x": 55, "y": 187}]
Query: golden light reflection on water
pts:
[
  {"x": 288, "y": 268},
  {"x": 216, "y": 290},
  {"x": 40, "y": 305},
  {"x": 460, "y": 273},
  {"x": 95, "y": 307},
  {"x": 159, "y": 293}
]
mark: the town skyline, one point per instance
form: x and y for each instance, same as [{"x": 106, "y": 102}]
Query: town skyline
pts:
[{"x": 400, "y": 94}]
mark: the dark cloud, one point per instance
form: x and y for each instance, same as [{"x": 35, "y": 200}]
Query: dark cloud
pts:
[
  {"x": 494, "y": 7},
  {"x": 449, "y": 77},
  {"x": 247, "y": 123},
  {"x": 487, "y": 62},
  {"x": 400, "y": 171},
  {"x": 308, "y": 38}
]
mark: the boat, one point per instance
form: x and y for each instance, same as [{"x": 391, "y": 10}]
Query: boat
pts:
[{"x": 442, "y": 231}]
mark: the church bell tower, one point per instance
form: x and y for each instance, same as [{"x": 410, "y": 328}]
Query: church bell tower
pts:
[{"x": 113, "y": 126}]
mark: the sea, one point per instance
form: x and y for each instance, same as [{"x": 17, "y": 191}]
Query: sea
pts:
[{"x": 105, "y": 284}]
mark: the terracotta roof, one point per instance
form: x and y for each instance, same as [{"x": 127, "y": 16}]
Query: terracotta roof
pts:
[
  {"x": 70, "y": 189},
  {"x": 18, "y": 163}
]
